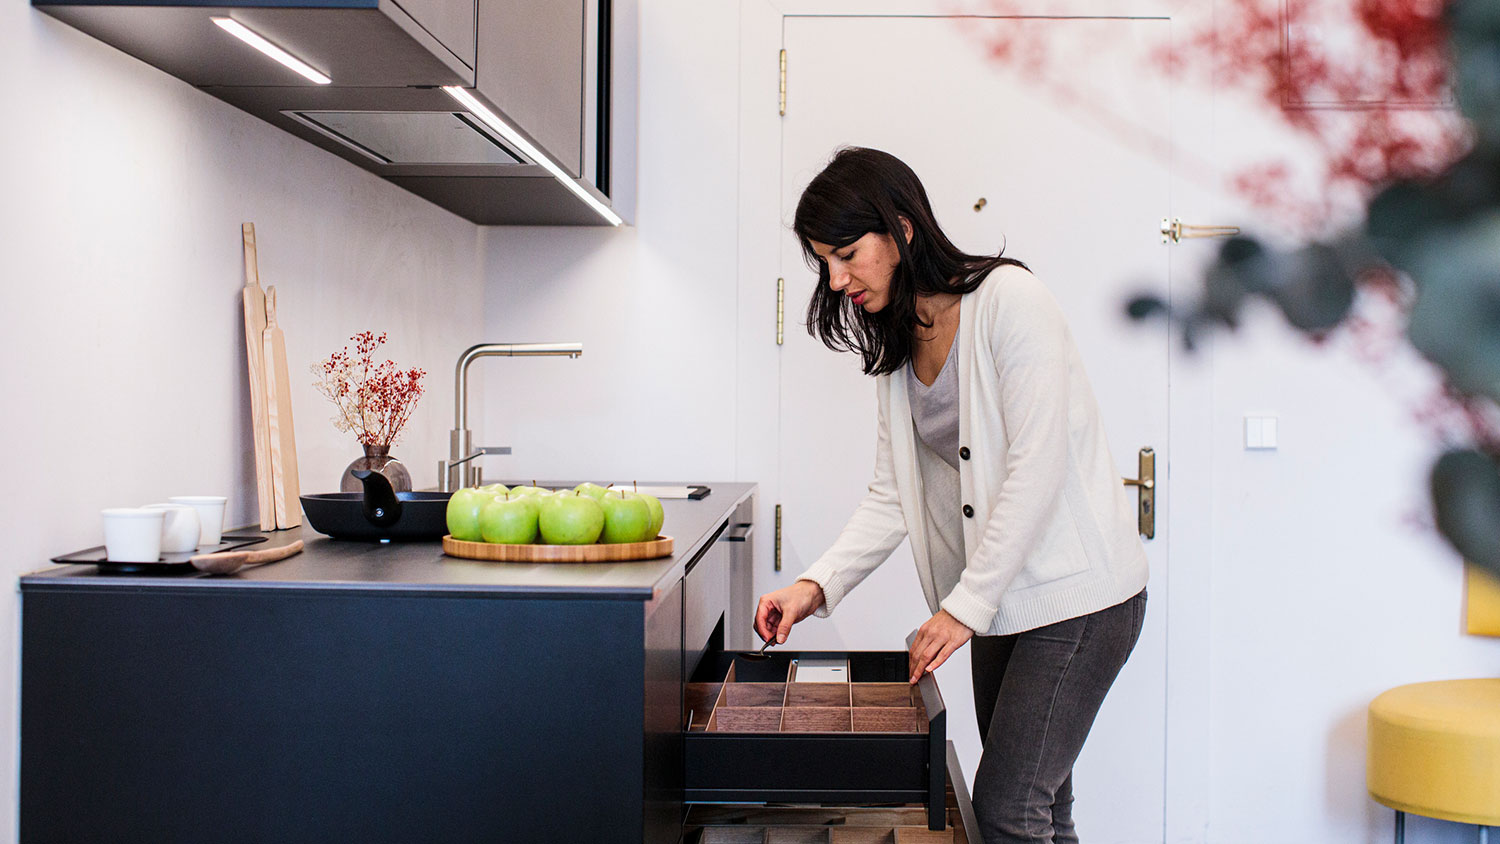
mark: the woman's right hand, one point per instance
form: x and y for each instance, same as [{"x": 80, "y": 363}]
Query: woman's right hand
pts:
[{"x": 779, "y": 610}]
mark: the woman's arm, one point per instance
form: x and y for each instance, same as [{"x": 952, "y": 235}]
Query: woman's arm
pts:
[{"x": 1030, "y": 339}]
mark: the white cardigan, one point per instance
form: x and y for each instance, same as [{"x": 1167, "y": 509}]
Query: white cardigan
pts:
[{"x": 1053, "y": 533}]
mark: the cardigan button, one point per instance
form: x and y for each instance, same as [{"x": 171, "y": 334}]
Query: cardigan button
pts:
[
  {"x": 968, "y": 512},
  {"x": 963, "y": 453}
]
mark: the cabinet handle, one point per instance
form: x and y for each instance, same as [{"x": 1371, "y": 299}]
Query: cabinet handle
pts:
[{"x": 739, "y": 533}]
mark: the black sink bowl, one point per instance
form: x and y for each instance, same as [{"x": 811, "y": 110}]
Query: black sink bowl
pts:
[{"x": 341, "y": 515}]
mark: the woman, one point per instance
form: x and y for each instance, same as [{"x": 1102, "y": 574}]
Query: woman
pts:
[{"x": 992, "y": 459}]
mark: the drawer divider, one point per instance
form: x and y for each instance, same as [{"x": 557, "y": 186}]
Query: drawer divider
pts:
[
  {"x": 713, "y": 717},
  {"x": 786, "y": 691}
]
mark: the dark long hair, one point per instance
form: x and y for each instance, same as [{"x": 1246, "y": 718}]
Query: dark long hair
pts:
[{"x": 862, "y": 191}]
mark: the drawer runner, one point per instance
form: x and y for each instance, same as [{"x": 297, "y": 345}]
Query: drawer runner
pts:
[{"x": 908, "y": 823}]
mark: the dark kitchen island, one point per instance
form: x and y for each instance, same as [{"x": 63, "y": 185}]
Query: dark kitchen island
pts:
[{"x": 374, "y": 693}]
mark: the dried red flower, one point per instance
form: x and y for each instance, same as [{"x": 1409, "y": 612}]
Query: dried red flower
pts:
[{"x": 375, "y": 401}]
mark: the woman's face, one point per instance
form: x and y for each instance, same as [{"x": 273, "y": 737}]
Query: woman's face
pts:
[{"x": 862, "y": 270}]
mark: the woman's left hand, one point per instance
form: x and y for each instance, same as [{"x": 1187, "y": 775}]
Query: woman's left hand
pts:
[{"x": 935, "y": 642}]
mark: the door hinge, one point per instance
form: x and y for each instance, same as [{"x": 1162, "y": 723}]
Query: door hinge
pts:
[
  {"x": 782, "y": 100},
  {"x": 780, "y": 310},
  {"x": 778, "y": 537}
]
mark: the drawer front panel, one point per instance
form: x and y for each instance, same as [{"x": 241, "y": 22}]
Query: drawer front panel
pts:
[
  {"x": 820, "y": 763},
  {"x": 705, "y": 599},
  {"x": 336, "y": 716}
]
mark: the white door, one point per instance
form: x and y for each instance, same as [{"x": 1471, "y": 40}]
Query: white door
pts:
[{"x": 1064, "y": 182}]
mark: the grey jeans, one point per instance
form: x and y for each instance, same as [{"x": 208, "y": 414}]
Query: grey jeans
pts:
[{"x": 1036, "y": 694}]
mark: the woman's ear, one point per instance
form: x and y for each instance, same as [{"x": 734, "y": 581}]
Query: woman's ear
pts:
[{"x": 906, "y": 227}]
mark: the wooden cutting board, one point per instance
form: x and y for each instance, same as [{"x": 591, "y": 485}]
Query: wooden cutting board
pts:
[
  {"x": 285, "y": 486},
  {"x": 614, "y": 552},
  {"x": 255, "y": 329}
]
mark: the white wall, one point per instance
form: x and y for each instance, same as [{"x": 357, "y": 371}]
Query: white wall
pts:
[
  {"x": 653, "y": 395},
  {"x": 121, "y": 196},
  {"x": 1324, "y": 592},
  {"x": 1328, "y": 584}
]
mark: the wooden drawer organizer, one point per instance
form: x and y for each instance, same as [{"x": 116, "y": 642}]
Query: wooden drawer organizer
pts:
[
  {"x": 793, "y": 707},
  {"x": 755, "y": 733},
  {"x": 886, "y": 824}
]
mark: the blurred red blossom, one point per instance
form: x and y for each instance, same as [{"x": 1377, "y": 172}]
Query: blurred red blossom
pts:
[
  {"x": 375, "y": 401},
  {"x": 1365, "y": 82}
]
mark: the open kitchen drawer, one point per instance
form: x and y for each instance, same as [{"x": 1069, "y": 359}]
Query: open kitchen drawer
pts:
[
  {"x": 883, "y": 824},
  {"x": 755, "y": 732}
]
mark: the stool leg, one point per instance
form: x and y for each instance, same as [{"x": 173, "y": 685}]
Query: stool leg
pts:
[
  {"x": 1484, "y": 834},
  {"x": 1400, "y": 827}
]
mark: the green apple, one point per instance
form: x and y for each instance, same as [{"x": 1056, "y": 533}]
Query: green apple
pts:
[
  {"x": 529, "y": 490},
  {"x": 463, "y": 513},
  {"x": 658, "y": 516},
  {"x": 510, "y": 520},
  {"x": 592, "y": 490},
  {"x": 570, "y": 519},
  {"x": 627, "y": 518},
  {"x": 494, "y": 489}
]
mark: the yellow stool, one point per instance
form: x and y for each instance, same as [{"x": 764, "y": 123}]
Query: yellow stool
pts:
[
  {"x": 1434, "y": 748},
  {"x": 1435, "y": 751}
]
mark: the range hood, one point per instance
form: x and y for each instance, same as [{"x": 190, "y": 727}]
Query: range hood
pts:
[
  {"x": 498, "y": 110},
  {"x": 413, "y": 137}
]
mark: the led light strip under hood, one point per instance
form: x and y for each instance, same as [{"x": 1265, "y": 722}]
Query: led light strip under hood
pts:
[
  {"x": 239, "y": 30},
  {"x": 492, "y": 120}
]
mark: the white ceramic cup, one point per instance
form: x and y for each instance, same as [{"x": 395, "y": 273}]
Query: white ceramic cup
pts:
[
  {"x": 210, "y": 516},
  {"x": 180, "y": 529},
  {"x": 133, "y": 534}
]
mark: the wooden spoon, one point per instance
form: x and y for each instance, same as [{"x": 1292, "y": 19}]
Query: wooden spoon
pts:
[{"x": 228, "y": 562}]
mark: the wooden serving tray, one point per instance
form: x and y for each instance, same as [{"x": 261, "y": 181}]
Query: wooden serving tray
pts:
[{"x": 613, "y": 552}]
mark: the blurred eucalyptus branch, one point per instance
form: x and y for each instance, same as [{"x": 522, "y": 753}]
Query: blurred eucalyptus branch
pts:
[{"x": 1437, "y": 239}]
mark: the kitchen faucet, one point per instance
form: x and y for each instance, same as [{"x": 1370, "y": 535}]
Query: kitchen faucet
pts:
[{"x": 461, "y": 469}]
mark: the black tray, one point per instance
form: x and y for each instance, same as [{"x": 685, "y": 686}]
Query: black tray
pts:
[{"x": 166, "y": 564}]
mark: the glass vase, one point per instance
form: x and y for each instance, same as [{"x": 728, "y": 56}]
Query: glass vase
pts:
[{"x": 377, "y": 459}]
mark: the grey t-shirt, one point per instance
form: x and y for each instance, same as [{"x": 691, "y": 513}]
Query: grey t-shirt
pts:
[{"x": 934, "y": 410}]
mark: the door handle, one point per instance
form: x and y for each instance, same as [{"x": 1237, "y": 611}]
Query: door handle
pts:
[
  {"x": 1175, "y": 230},
  {"x": 1146, "y": 492}
]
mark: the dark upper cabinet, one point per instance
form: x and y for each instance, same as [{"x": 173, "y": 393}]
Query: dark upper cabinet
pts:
[
  {"x": 357, "y": 43},
  {"x": 453, "y": 24},
  {"x": 542, "y": 43},
  {"x": 540, "y": 66}
]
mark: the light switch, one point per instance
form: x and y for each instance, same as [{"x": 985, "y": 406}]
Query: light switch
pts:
[{"x": 1260, "y": 433}]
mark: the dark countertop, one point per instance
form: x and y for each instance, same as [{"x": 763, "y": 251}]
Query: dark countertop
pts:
[{"x": 422, "y": 567}]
